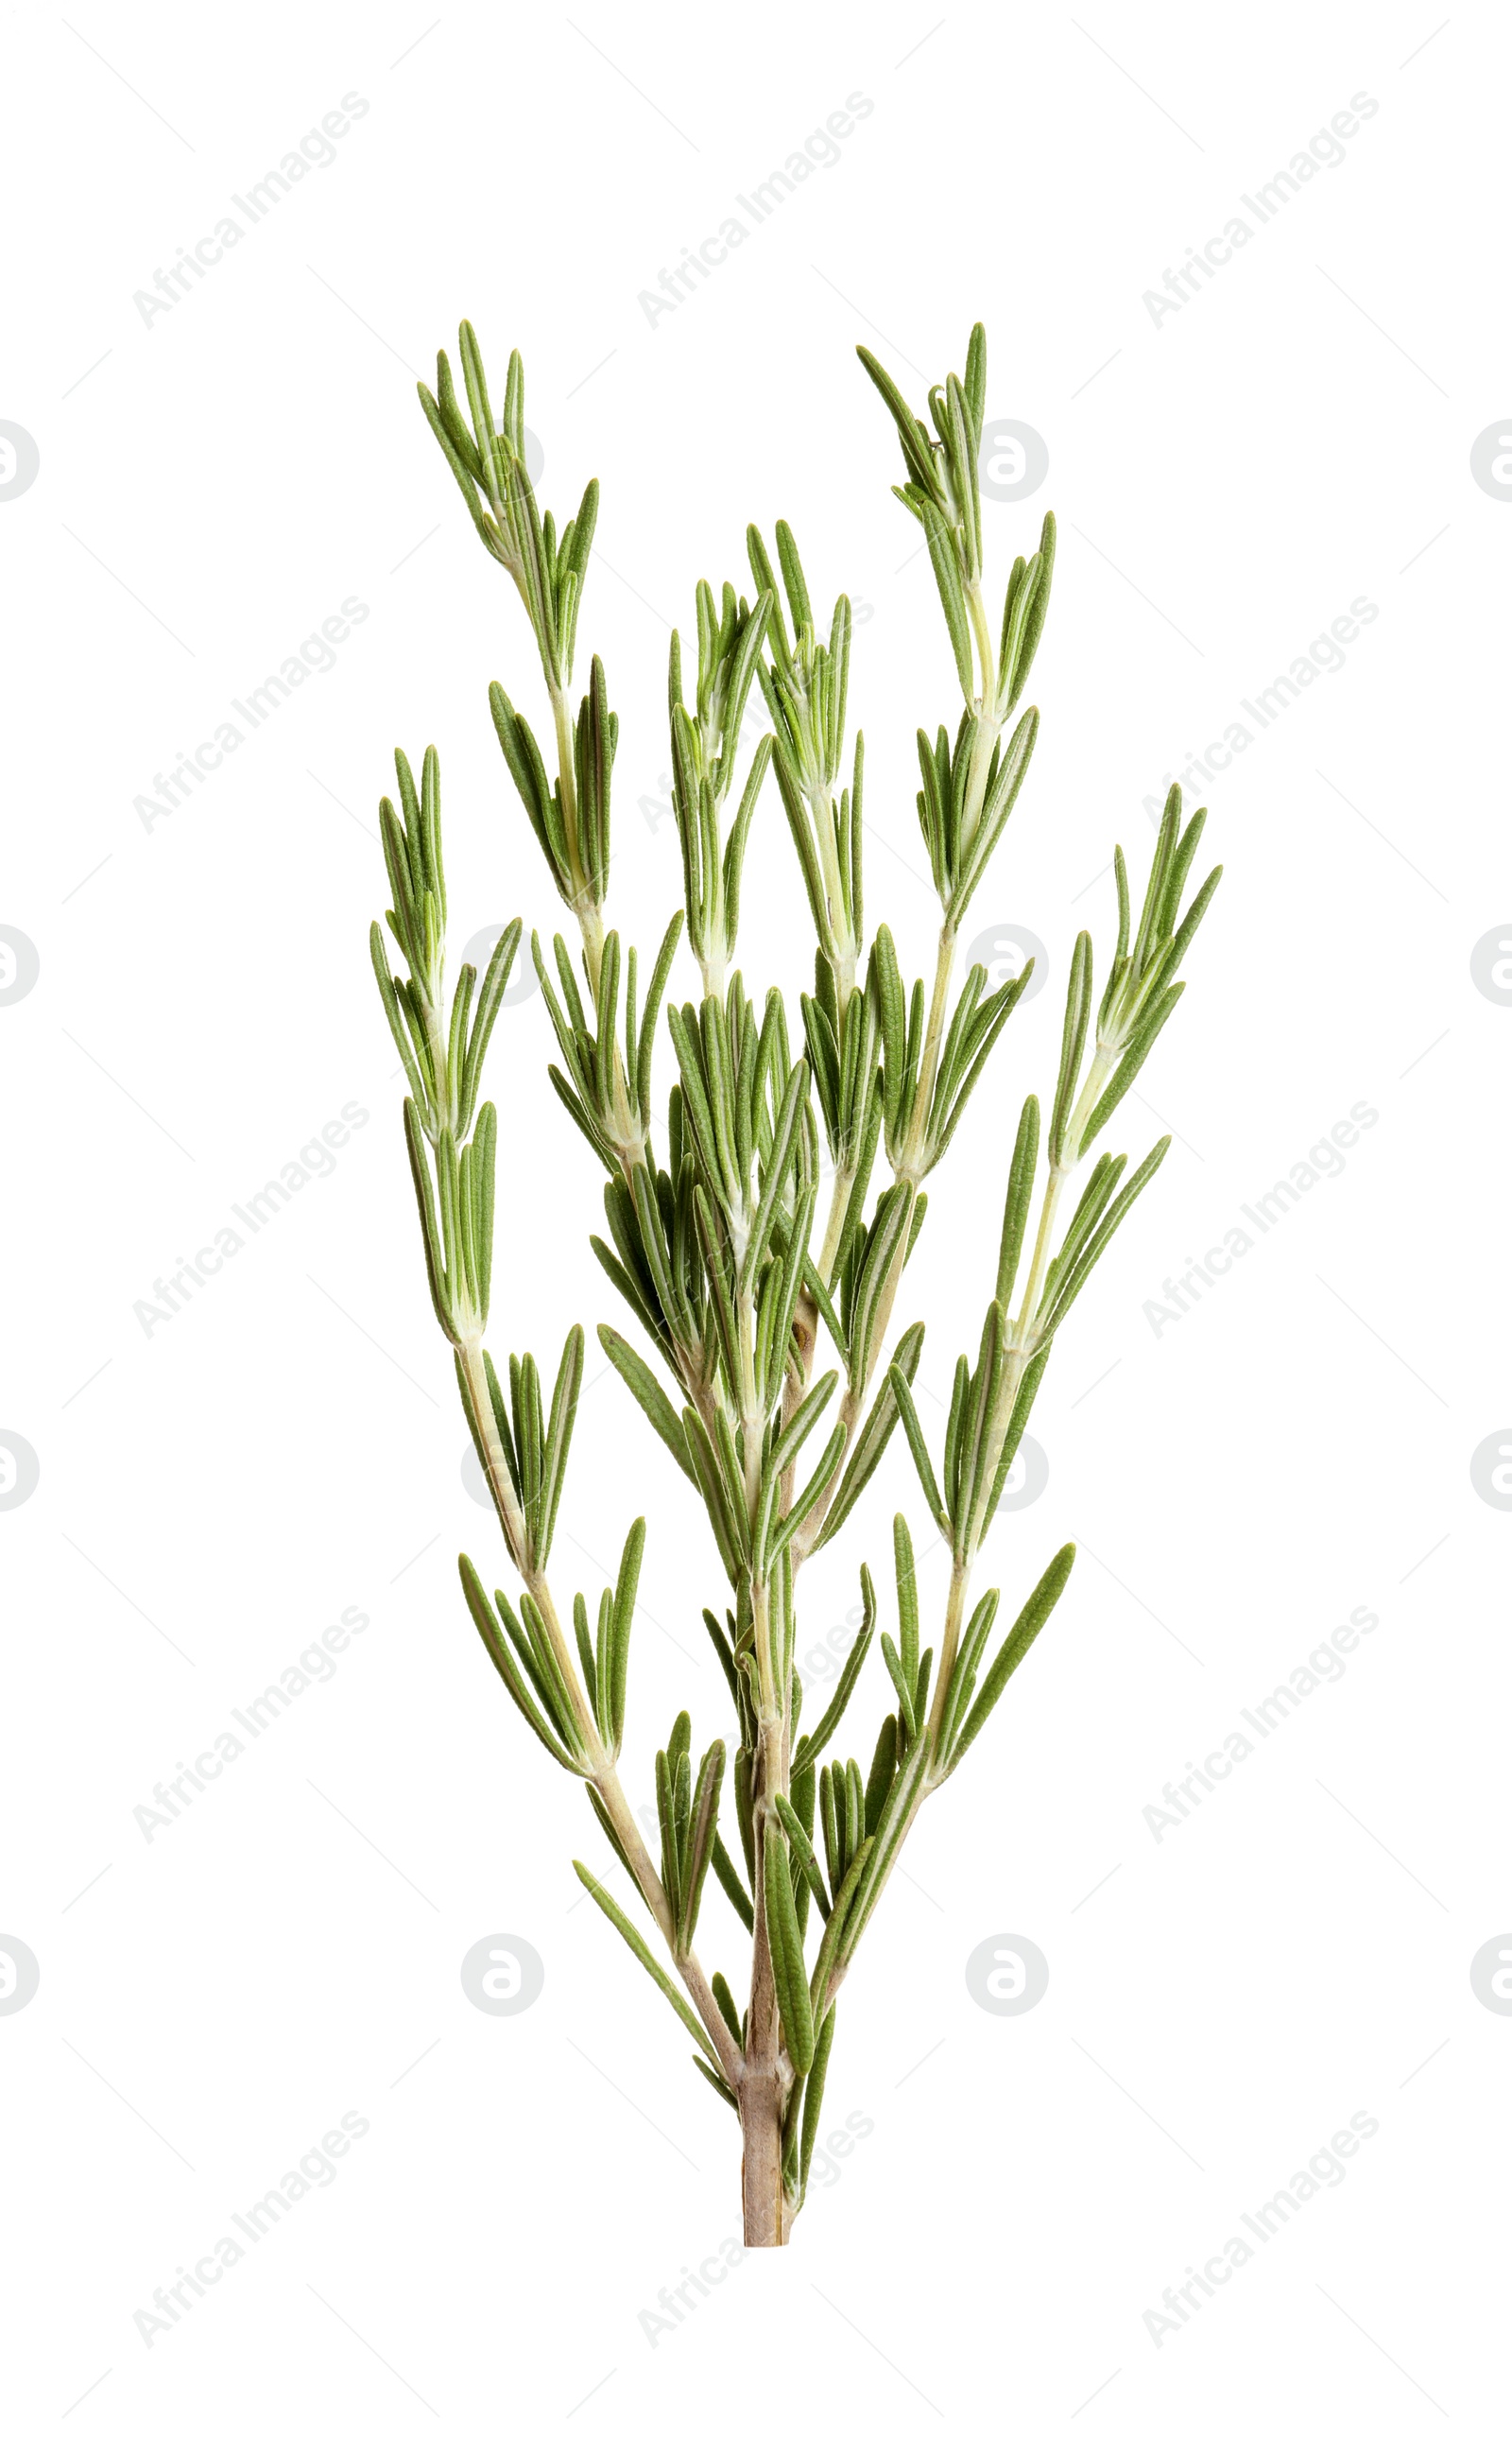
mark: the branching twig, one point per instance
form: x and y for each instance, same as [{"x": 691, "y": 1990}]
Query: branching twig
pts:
[{"x": 716, "y": 1254}]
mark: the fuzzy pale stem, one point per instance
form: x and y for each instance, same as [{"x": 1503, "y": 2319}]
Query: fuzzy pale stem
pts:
[
  {"x": 764, "y": 2205},
  {"x": 765, "y": 2080}
]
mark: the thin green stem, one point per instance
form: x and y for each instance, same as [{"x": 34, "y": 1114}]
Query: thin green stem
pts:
[
  {"x": 950, "y": 1642},
  {"x": 1055, "y": 1186},
  {"x": 839, "y": 1200},
  {"x": 1097, "y": 1075},
  {"x": 630, "y": 1139},
  {"x": 912, "y": 1151},
  {"x": 989, "y": 725},
  {"x": 842, "y": 947},
  {"x": 568, "y": 777}
]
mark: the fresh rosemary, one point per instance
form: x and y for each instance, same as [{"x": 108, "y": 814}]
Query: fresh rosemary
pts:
[{"x": 763, "y": 1364}]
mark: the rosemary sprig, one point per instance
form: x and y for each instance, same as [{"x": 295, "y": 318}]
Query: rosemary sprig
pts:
[{"x": 719, "y": 1252}]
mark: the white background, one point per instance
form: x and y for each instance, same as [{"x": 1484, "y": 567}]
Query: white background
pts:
[{"x": 213, "y": 1495}]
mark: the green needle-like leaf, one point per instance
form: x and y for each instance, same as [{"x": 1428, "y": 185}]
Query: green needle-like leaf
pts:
[
  {"x": 914, "y": 1431},
  {"x": 790, "y": 1979},
  {"x": 1031, "y": 1619},
  {"x": 729, "y": 1879},
  {"x": 799, "y": 1838},
  {"x": 649, "y": 1395},
  {"x": 811, "y": 1746},
  {"x": 813, "y": 2096},
  {"x": 643, "y": 1956},
  {"x": 505, "y": 1660},
  {"x": 716, "y": 2083}
]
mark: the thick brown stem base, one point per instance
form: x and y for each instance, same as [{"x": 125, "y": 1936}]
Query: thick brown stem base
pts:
[{"x": 768, "y": 2217}]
